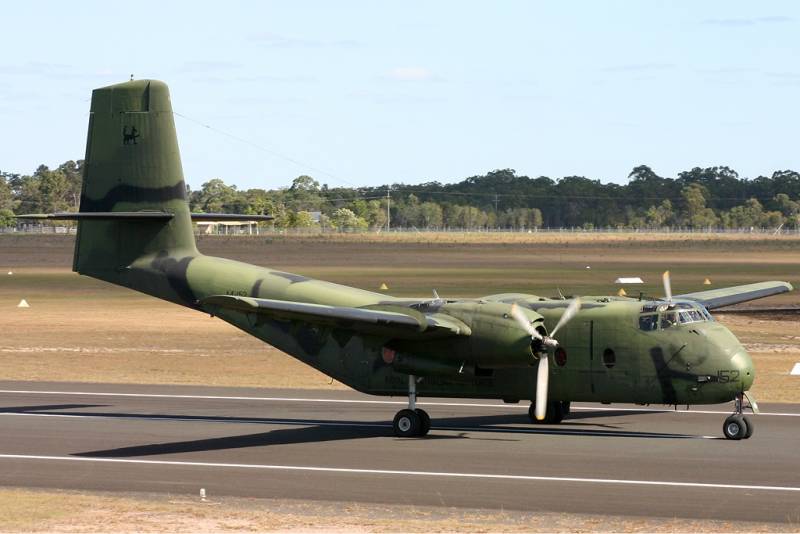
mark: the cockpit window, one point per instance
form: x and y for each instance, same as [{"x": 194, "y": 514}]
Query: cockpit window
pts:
[
  {"x": 667, "y": 317},
  {"x": 648, "y": 322}
]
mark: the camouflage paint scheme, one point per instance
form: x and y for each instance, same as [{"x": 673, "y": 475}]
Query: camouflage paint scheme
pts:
[{"x": 371, "y": 341}]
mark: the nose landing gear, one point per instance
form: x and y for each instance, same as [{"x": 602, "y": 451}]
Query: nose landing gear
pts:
[
  {"x": 412, "y": 421},
  {"x": 738, "y": 426}
]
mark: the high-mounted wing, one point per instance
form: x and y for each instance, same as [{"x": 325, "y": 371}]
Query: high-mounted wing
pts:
[
  {"x": 717, "y": 298},
  {"x": 402, "y": 324}
]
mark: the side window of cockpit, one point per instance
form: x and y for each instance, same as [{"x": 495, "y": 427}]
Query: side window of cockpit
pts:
[
  {"x": 648, "y": 322},
  {"x": 668, "y": 319}
]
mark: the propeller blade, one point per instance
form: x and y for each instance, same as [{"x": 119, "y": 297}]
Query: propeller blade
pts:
[
  {"x": 567, "y": 316},
  {"x": 524, "y": 322},
  {"x": 542, "y": 376},
  {"x": 667, "y": 286}
]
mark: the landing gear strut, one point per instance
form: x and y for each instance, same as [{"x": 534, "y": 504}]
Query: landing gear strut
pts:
[
  {"x": 412, "y": 421},
  {"x": 738, "y": 426}
]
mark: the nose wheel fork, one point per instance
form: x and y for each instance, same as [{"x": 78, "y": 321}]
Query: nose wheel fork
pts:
[
  {"x": 738, "y": 426},
  {"x": 411, "y": 422}
]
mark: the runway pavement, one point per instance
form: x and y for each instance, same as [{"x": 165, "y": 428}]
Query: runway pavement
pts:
[{"x": 324, "y": 445}]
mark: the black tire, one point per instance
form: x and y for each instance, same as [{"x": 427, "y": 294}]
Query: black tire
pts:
[
  {"x": 734, "y": 427},
  {"x": 750, "y": 427},
  {"x": 532, "y": 414},
  {"x": 406, "y": 424},
  {"x": 425, "y": 421},
  {"x": 553, "y": 415},
  {"x": 565, "y": 407}
]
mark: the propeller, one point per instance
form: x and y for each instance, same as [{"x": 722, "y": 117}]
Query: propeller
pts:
[
  {"x": 543, "y": 368},
  {"x": 667, "y": 287}
]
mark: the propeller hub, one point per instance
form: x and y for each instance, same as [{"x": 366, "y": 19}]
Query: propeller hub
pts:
[{"x": 550, "y": 342}]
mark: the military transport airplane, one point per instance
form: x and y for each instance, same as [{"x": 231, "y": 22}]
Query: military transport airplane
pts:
[{"x": 135, "y": 230}]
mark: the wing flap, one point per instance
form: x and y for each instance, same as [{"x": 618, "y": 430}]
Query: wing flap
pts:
[
  {"x": 717, "y": 298},
  {"x": 398, "y": 324}
]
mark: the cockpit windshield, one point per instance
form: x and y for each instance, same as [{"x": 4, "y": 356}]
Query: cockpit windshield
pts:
[{"x": 655, "y": 317}]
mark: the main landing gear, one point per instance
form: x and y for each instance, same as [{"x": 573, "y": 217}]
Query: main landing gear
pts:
[
  {"x": 738, "y": 426},
  {"x": 556, "y": 411},
  {"x": 411, "y": 422}
]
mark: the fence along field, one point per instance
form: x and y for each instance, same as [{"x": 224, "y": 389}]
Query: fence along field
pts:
[{"x": 78, "y": 329}]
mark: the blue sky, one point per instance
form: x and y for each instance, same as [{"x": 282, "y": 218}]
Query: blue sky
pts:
[{"x": 365, "y": 93}]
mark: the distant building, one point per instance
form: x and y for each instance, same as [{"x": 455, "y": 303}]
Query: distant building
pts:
[{"x": 227, "y": 227}]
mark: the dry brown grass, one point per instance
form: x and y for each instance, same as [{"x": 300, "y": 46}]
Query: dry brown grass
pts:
[
  {"x": 105, "y": 334},
  {"x": 66, "y": 511}
]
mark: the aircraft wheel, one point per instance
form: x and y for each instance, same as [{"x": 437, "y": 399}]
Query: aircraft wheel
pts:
[
  {"x": 407, "y": 424},
  {"x": 566, "y": 406},
  {"x": 734, "y": 427},
  {"x": 750, "y": 427},
  {"x": 425, "y": 421},
  {"x": 553, "y": 415}
]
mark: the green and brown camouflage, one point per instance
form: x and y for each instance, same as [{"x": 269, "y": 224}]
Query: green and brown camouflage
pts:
[{"x": 615, "y": 350}]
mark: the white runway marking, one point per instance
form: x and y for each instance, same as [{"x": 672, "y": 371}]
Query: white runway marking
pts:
[
  {"x": 438, "y": 474},
  {"x": 308, "y": 423},
  {"x": 366, "y": 401}
]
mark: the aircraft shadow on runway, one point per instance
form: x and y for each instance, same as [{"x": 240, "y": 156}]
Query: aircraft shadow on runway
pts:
[{"x": 504, "y": 426}]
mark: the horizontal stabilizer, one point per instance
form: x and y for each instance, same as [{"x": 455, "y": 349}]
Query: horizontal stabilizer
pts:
[
  {"x": 409, "y": 325},
  {"x": 140, "y": 215},
  {"x": 100, "y": 215},
  {"x": 717, "y": 298}
]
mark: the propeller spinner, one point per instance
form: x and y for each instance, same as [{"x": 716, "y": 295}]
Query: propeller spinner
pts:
[{"x": 543, "y": 370}]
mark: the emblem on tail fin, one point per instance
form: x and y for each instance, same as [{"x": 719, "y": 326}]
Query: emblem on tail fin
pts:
[{"x": 129, "y": 138}]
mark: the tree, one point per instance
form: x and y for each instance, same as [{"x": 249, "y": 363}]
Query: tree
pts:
[
  {"x": 696, "y": 214},
  {"x": 344, "y": 220},
  {"x": 376, "y": 214},
  {"x": 642, "y": 173},
  {"x": 7, "y": 219},
  {"x": 747, "y": 215},
  {"x": 53, "y": 190},
  {"x": 430, "y": 215},
  {"x": 6, "y": 197},
  {"x": 772, "y": 219},
  {"x": 659, "y": 216},
  {"x": 304, "y": 194},
  {"x": 789, "y": 208},
  {"x": 304, "y": 183},
  {"x": 73, "y": 172},
  {"x": 535, "y": 218},
  {"x": 214, "y": 196},
  {"x": 303, "y": 219}
]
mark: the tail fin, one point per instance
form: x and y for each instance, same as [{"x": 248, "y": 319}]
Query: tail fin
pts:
[
  {"x": 134, "y": 224},
  {"x": 132, "y": 165}
]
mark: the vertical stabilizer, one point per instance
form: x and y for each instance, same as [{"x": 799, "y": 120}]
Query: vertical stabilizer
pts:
[{"x": 132, "y": 164}]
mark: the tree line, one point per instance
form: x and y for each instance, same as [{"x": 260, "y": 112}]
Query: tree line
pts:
[{"x": 701, "y": 198}]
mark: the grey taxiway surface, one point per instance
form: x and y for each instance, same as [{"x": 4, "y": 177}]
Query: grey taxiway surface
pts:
[{"x": 338, "y": 445}]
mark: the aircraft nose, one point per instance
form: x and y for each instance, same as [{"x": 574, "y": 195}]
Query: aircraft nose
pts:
[{"x": 743, "y": 364}]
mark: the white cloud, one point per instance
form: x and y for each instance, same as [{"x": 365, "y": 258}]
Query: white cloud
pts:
[
  {"x": 411, "y": 74},
  {"x": 284, "y": 41}
]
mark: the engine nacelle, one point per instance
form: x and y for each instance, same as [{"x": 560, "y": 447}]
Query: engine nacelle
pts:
[{"x": 496, "y": 341}]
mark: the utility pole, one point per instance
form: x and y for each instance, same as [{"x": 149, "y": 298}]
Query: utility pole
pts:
[
  {"x": 495, "y": 203},
  {"x": 388, "y": 204}
]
